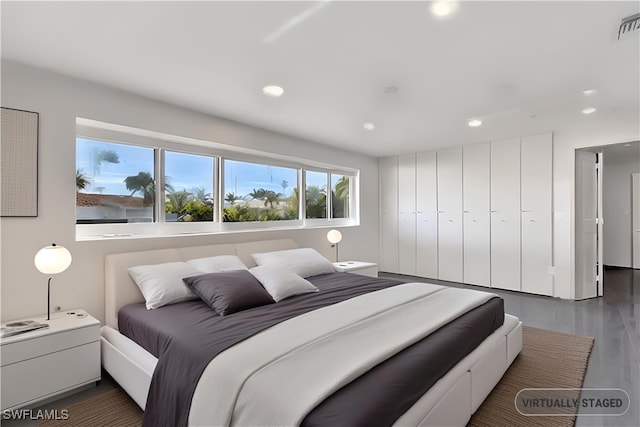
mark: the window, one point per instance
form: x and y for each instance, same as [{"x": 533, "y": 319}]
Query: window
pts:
[
  {"x": 316, "y": 194},
  {"x": 114, "y": 183},
  {"x": 188, "y": 187},
  {"x": 340, "y": 200},
  {"x": 134, "y": 182},
  {"x": 259, "y": 192},
  {"x": 317, "y": 206}
]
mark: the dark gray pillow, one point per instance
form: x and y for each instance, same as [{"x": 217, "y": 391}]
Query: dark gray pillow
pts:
[{"x": 229, "y": 291}]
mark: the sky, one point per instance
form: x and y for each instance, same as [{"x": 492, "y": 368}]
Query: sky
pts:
[
  {"x": 183, "y": 171},
  {"x": 242, "y": 178}
]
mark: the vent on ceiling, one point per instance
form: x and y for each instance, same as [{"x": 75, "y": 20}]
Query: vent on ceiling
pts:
[{"x": 629, "y": 25}]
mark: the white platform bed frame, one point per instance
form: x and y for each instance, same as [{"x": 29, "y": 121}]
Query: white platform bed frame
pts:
[{"x": 451, "y": 401}]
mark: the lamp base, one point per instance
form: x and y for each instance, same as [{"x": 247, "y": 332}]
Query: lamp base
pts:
[{"x": 49, "y": 299}]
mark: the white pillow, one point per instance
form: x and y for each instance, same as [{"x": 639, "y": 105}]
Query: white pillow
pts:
[
  {"x": 281, "y": 283},
  {"x": 305, "y": 262},
  {"x": 217, "y": 264},
  {"x": 162, "y": 284}
]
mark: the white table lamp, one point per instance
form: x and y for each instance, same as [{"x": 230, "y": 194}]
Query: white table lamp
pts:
[
  {"x": 52, "y": 260},
  {"x": 334, "y": 237}
]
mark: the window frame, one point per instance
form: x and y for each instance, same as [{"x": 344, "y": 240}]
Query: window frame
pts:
[
  {"x": 256, "y": 225},
  {"x": 160, "y": 142}
]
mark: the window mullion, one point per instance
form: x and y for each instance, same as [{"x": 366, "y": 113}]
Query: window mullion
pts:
[
  {"x": 159, "y": 184},
  {"x": 302, "y": 195},
  {"x": 329, "y": 199},
  {"x": 218, "y": 199}
]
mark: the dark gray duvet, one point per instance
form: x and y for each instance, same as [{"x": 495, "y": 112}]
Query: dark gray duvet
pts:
[{"x": 185, "y": 337}]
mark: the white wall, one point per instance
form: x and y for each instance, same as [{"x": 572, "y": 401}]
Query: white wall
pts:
[
  {"x": 59, "y": 100},
  {"x": 616, "y": 201}
]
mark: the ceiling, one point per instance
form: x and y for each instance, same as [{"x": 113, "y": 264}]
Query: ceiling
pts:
[{"x": 521, "y": 67}]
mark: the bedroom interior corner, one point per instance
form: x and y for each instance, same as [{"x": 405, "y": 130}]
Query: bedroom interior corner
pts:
[{"x": 563, "y": 81}]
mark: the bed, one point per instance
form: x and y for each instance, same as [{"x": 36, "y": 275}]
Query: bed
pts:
[{"x": 451, "y": 399}]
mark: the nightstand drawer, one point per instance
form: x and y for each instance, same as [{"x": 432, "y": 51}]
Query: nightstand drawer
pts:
[
  {"x": 51, "y": 343},
  {"x": 38, "y": 378}
]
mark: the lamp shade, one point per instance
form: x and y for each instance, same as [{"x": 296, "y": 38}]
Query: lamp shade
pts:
[
  {"x": 334, "y": 236},
  {"x": 52, "y": 259}
]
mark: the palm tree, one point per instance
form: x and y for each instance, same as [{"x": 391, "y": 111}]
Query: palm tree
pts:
[
  {"x": 232, "y": 198},
  {"x": 340, "y": 198},
  {"x": 109, "y": 156},
  {"x": 178, "y": 200},
  {"x": 284, "y": 184},
  {"x": 142, "y": 183},
  {"x": 316, "y": 202},
  {"x": 314, "y": 194},
  {"x": 200, "y": 194},
  {"x": 272, "y": 197},
  {"x": 81, "y": 180},
  {"x": 342, "y": 188},
  {"x": 258, "y": 194}
]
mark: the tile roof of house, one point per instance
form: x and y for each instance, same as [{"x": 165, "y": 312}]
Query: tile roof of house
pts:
[{"x": 89, "y": 200}]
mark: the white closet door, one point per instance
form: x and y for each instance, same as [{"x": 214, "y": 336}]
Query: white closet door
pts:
[
  {"x": 449, "y": 165},
  {"x": 427, "y": 215},
  {"x": 407, "y": 214},
  {"x": 388, "y": 171},
  {"x": 536, "y": 187},
  {"x": 505, "y": 214},
  {"x": 476, "y": 178}
]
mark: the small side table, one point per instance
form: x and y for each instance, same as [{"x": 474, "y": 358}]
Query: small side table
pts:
[
  {"x": 357, "y": 267},
  {"x": 43, "y": 363}
]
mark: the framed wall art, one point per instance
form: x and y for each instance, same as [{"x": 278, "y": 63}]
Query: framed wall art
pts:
[{"x": 18, "y": 163}]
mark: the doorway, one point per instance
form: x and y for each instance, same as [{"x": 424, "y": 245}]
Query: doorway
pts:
[{"x": 606, "y": 211}]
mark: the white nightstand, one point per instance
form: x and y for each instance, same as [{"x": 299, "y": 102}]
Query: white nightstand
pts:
[
  {"x": 358, "y": 267},
  {"x": 40, "y": 364}
]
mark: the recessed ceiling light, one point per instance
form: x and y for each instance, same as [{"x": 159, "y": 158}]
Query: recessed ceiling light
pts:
[
  {"x": 589, "y": 110},
  {"x": 273, "y": 91},
  {"x": 474, "y": 123},
  {"x": 368, "y": 126},
  {"x": 589, "y": 92},
  {"x": 443, "y": 8}
]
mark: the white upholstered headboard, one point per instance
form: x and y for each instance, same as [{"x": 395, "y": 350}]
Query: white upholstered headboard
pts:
[{"x": 121, "y": 290}]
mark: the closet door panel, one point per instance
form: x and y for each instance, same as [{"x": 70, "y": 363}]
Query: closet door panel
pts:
[
  {"x": 407, "y": 214},
  {"x": 450, "y": 252},
  {"x": 536, "y": 187},
  {"x": 388, "y": 171},
  {"x": 389, "y": 243},
  {"x": 426, "y": 215},
  {"x": 537, "y": 172},
  {"x": 536, "y": 253},
  {"x": 505, "y": 214},
  {"x": 450, "y": 247},
  {"x": 427, "y": 245},
  {"x": 476, "y": 198}
]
